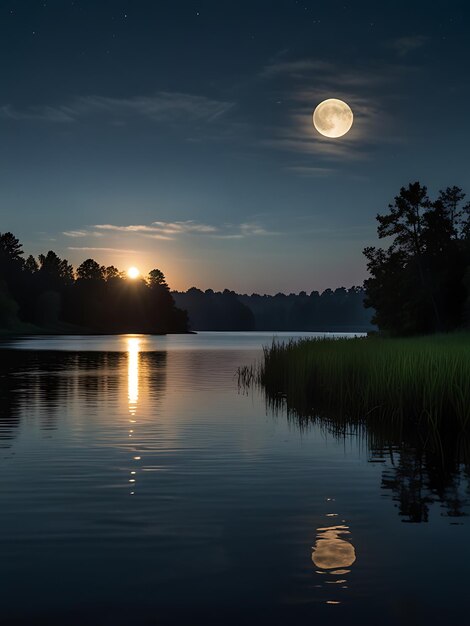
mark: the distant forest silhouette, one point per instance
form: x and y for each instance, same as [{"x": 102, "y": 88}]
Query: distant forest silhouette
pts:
[{"x": 341, "y": 309}]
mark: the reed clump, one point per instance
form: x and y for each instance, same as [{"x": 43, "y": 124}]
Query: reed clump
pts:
[{"x": 425, "y": 380}]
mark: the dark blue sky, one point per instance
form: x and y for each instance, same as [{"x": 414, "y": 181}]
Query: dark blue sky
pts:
[{"x": 178, "y": 135}]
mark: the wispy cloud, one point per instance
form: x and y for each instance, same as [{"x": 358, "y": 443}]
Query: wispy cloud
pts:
[
  {"x": 188, "y": 226},
  {"x": 404, "y": 45},
  {"x": 171, "y": 231},
  {"x": 77, "y": 234},
  {"x": 299, "y": 137},
  {"x": 163, "y": 106},
  {"x": 161, "y": 230},
  {"x": 250, "y": 229},
  {"x": 136, "y": 229},
  {"x": 310, "y": 172},
  {"x": 44, "y": 113},
  {"x": 326, "y": 74},
  {"x": 93, "y": 249},
  {"x": 135, "y": 238},
  {"x": 244, "y": 231}
]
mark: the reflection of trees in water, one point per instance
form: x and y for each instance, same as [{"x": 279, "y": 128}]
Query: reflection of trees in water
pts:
[
  {"x": 10, "y": 399},
  {"x": 421, "y": 468},
  {"x": 41, "y": 383},
  {"x": 94, "y": 377},
  {"x": 62, "y": 377},
  {"x": 154, "y": 366},
  {"x": 419, "y": 475}
]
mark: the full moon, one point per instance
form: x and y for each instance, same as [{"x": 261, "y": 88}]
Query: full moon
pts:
[
  {"x": 333, "y": 118},
  {"x": 133, "y": 272}
]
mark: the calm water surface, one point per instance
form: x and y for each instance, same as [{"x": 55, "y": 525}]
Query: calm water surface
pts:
[{"x": 140, "y": 486}]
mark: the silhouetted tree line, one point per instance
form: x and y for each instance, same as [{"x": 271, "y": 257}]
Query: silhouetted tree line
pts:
[
  {"x": 47, "y": 292},
  {"x": 420, "y": 283},
  {"x": 341, "y": 309}
]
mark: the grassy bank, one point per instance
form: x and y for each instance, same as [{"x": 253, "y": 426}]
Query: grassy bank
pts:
[{"x": 425, "y": 380}]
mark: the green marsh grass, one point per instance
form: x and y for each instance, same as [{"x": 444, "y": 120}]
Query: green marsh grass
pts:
[{"x": 424, "y": 381}]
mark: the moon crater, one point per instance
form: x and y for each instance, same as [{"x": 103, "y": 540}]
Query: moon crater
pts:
[{"x": 333, "y": 118}]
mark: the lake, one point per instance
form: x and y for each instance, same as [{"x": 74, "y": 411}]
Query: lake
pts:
[{"x": 140, "y": 485}]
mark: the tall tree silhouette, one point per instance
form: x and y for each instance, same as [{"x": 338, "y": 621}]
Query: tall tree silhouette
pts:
[
  {"x": 112, "y": 272},
  {"x": 54, "y": 270},
  {"x": 11, "y": 250},
  {"x": 416, "y": 284},
  {"x": 451, "y": 200},
  {"x": 91, "y": 270},
  {"x": 31, "y": 265},
  {"x": 163, "y": 303},
  {"x": 157, "y": 277}
]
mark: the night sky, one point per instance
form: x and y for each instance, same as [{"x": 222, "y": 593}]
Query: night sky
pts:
[{"x": 179, "y": 135}]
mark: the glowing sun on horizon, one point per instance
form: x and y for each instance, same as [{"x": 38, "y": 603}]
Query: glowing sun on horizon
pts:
[{"x": 133, "y": 272}]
